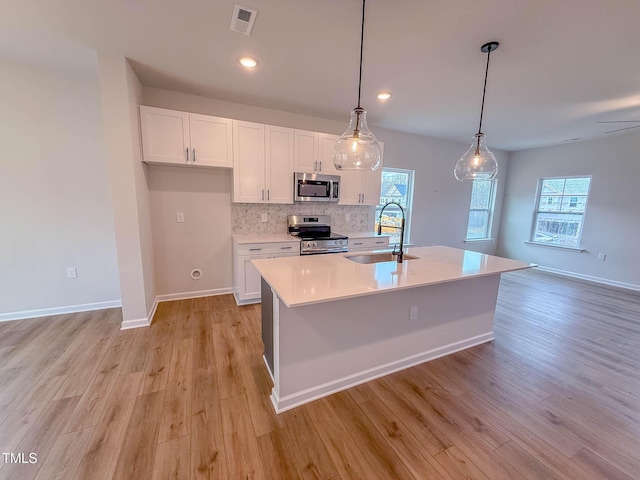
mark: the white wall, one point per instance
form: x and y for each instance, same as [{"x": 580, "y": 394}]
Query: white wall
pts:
[
  {"x": 55, "y": 209},
  {"x": 612, "y": 219},
  {"x": 120, "y": 94}
]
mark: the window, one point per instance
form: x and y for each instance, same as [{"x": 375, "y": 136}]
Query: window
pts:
[
  {"x": 481, "y": 210},
  {"x": 397, "y": 186},
  {"x": 560, "y": 208}
]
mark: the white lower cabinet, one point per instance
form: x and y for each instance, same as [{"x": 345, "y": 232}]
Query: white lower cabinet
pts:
[
  {"x": 368, "y": 243},
  {"x": 246, "y": 277}
]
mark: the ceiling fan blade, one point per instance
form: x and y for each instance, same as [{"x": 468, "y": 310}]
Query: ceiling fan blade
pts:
[
  {"x": 620, "y": 129},
  {"x": 621, "y": 121}
]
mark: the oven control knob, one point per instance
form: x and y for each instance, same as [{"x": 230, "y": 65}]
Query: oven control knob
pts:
[
  {"x": 339, "y": 242},
  {"x": 312, "y": 244}
]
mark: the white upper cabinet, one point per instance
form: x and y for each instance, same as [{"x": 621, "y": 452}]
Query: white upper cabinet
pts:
[
  {"x": 361, "y": 187},
  {"x": 262, "y": 163},
  {"x": 327, "y": 145},
  {"x": 165, "y": 135},
  {"x": 211, "y": 140},
  {"x": 279, "y": 155},
  {"x": 263, "y": 157},
  {"x": 306, "y": 151},
  {"x": 173, "y": 137},
  {"x": 314, "y": 152}
]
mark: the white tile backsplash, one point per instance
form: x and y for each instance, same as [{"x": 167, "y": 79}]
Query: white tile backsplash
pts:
[{"x": 246, "y": 218}]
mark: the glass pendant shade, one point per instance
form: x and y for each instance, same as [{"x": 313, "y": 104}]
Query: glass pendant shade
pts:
[
  {"x": 477, "y": 163},
  {"x": 357, "y": 148}
]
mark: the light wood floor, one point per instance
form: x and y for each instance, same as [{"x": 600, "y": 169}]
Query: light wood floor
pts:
[{"x": 556, "y": 395}]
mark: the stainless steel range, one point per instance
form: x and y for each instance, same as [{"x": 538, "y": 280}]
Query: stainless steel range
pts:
[{"x": 315, "y": 234}]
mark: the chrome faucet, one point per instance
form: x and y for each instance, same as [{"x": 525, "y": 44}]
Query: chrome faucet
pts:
[{"x": 401, "y": 227}]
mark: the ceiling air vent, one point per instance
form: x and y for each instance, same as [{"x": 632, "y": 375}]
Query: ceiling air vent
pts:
[{"x": 243, "y": 19}]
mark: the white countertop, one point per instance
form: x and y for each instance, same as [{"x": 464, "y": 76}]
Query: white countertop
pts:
[
  {"x": 312, "y": 279},
  {"x": 274, "y": 238}
]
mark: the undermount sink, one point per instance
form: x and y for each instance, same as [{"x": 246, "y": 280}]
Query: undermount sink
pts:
[{"x": 379, "y": 257}]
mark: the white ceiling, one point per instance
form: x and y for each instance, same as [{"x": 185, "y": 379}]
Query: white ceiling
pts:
[{"x": 562, "y": 65}]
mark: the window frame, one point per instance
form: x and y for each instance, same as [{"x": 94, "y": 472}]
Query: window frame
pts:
[
  {"x": 408, "y": 209},
  {"x": 490, "y": 210},
  {"x": 536, "y": 212}
]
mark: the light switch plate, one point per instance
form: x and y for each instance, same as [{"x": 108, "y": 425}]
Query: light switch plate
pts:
[{"x": 180, "y": 217}]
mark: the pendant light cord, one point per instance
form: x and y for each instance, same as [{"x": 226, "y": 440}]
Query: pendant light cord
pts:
[
  {"x": 484, "y": 90},
  {"x": 361, "y": 49}
]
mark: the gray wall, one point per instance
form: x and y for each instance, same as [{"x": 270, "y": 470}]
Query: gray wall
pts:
[
  {"x": 612, "y": 219},
  {"x": 440, "y": 202},
  {"x": 55, "y": 209}
]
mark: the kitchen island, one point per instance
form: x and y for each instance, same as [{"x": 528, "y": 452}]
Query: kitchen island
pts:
[{"x": 330, "y": 323}]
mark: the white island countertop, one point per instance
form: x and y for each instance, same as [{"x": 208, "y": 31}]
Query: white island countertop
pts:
[{"x": 313, "y": 279}]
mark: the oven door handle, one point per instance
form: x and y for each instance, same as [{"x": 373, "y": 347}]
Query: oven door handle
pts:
[{"x": 330, "y": 190}]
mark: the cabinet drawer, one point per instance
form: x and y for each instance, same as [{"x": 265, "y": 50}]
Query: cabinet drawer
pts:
[
  {"x": 368, "y": 243},
  {"x": 269, "y": 248}
]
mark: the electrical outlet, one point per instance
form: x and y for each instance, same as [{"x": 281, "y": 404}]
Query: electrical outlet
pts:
[
  {"x": 72, "y": 272},
  {"x": 413, "y": 313},
  {"x": 265, "y": 218},
  {"x": 602, "y": 257},
  {"x": 347, "y": 217},
  {"x": 180, "y": 217}
]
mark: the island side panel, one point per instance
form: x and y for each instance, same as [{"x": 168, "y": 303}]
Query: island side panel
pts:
[
  {"x": 267, "y": 323},
  {"x": 327, "y": 347}
]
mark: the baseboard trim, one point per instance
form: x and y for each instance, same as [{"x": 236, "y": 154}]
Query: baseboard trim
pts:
[
  {"x": 135, "y": 323},
  {"x": 197, "y": 294},
  {"x": 589, "y": 278},
  {"x": 126, "y": 324},
  {"x": 245, "y": 302},
  {"x": 305, "y": 396},
  {"x": 47, "y": 312}
]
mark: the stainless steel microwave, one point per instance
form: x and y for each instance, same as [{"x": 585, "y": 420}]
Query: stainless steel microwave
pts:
[{"x": 313, "y": 187}]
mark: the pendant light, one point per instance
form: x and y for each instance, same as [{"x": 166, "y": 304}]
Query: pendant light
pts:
[
  {"x": 357, "y": 148},
  {"x": 478, "y": 163}
]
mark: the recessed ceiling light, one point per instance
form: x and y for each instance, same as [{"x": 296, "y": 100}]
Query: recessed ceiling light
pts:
[
  {"x": 248, "y": 62},
  {"x": 384, "y": 96}
]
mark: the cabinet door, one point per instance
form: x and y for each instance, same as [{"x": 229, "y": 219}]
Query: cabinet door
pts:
[
  {"x": 371, "y": 182},
  {"x": 211, "y": 140},
  {"x": 361, "y": 187},
  {"x": 279, "y": 164},
  {"x": 165, "y": 135},
  {"x": 249, "y": 282},
  {"x": 248, "y": 162},
  {"x": 306, "y": 151},
  {"x": 327, "y": 145},
  {"x": 350, "y": 187}
]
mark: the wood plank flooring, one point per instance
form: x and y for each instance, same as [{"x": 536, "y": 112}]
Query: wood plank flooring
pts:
[{"x": 555, "y": 396}]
